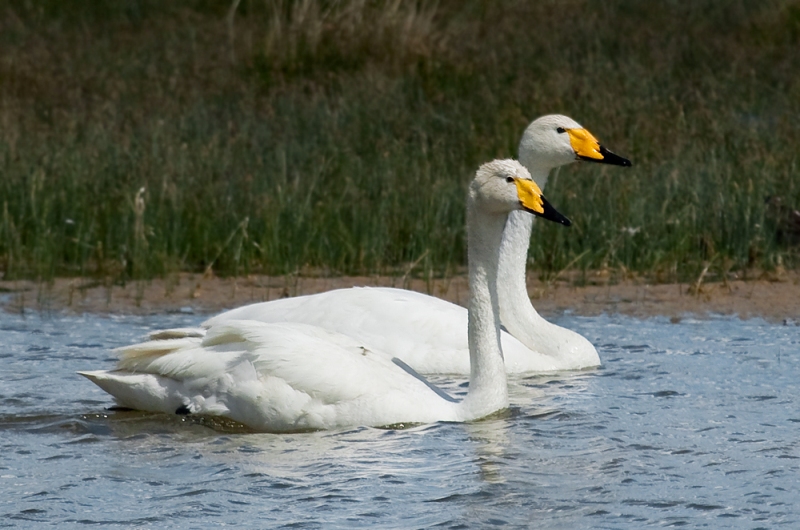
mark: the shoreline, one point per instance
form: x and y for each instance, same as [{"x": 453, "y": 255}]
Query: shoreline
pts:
[{"x": 774, "y": 297}]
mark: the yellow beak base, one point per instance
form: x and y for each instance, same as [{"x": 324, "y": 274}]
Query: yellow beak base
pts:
[
  {"x": 530, "y": 195},
  {"x": 584, "y": 144}
]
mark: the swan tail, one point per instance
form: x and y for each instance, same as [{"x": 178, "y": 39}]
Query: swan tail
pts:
[
  {"x": 153, "y": 349},
  {"x": 168, "y": 341},
  {"x": 147, "y": 392}
]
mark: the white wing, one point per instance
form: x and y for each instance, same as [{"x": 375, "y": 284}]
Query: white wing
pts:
[{"x": 273, "y": 377}]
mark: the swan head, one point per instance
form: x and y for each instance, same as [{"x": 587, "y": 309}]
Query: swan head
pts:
[
  {"x": 503, "y": 186},
  {"x": 555, "y": 140}
]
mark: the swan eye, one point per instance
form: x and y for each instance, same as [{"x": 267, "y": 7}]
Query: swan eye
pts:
[
  {"x": 509, "y": 179},
  {"x": 561, "y": 130}
]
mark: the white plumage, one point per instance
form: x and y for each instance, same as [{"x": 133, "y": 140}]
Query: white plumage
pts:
[
  {"x": 291, "y": 376},
  {"x": 430, "y": 334},
  {"x": 426, "y": 332}
]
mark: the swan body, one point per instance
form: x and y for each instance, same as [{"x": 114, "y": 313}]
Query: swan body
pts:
[
  {"x": 274, "y": 377},
  {"x": 430, "y": 334},
  {"x": 291, "y": 376},
  {"x": 431, "y": 337}
]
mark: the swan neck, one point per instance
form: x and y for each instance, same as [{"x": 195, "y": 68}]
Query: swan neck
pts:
[
  {"x": 516, "y": 311},
  {"x": 538, "y": 174},
  {"x": 488, "y": 390}
]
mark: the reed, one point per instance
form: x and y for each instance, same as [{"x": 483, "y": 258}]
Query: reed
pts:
[{"x": 337, "y": 136}]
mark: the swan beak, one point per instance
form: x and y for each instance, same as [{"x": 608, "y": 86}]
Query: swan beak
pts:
[
  {"x": 588, "y": 148},
  {"x": 532, "y": 200}
]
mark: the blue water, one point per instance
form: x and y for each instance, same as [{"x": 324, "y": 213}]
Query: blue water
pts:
[{"x": 691, "y": 424}]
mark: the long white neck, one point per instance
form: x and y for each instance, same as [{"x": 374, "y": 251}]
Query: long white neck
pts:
[
  {"x": 488, "y": 388},
  {"x": 516, "y": 312}
]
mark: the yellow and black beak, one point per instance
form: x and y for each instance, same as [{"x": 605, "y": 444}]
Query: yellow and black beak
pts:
[
  {"x": 532, "y": 200},
  {"x": 588, "y": 148}
]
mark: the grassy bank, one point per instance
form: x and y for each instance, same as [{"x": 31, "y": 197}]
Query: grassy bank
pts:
[{"x": 141, "y": 138}]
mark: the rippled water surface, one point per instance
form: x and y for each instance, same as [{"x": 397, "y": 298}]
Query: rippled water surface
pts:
[{"x": 690, "y": 424}]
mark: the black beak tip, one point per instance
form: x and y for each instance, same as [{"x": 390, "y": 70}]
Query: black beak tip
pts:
[
  {"x": 551, "y": 214},
  {"x": 613, "y": 159}
]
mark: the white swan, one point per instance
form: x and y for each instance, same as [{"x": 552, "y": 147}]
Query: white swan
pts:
[
  {"x": 547, "y": 143},
  {"x": 290, "y": 376},
  {"x": 429, "y": 333}
]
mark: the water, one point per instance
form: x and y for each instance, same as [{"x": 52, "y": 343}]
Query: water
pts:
[{"x": 690, "y": 424}]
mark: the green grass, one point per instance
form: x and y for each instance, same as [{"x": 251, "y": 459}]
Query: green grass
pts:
[{"x": 339, "y": 136}]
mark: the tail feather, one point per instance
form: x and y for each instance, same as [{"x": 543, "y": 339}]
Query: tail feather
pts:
[
  {"x": 177, "y": 333},
  {"x": 234, "y": 332},
  {"x": 154, "y": 348},
  {"x": 139, "y": 391}
]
